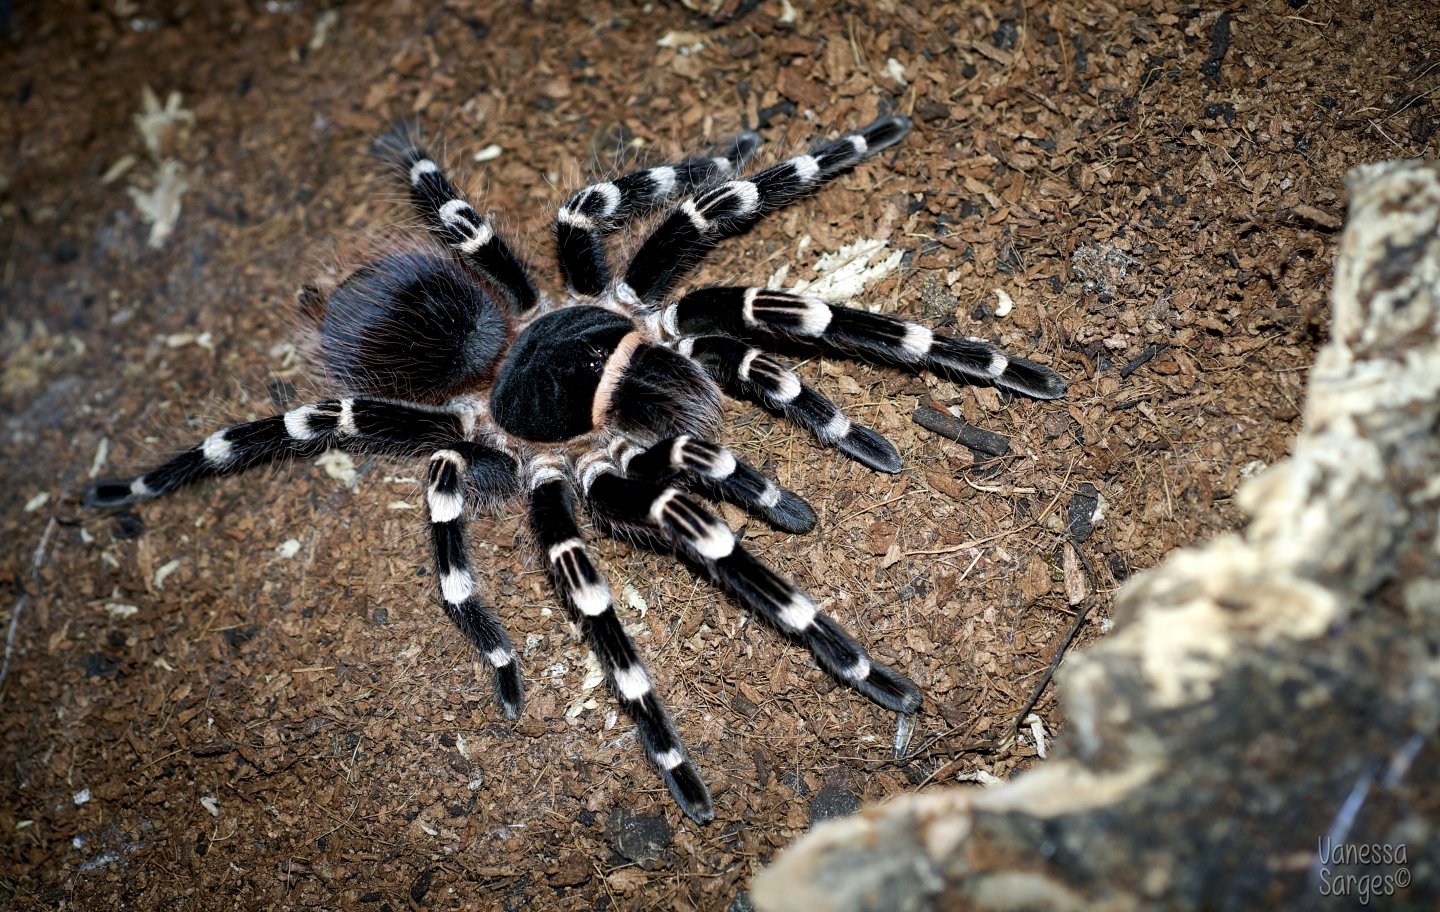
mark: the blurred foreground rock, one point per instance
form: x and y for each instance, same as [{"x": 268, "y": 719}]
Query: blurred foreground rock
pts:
[{"x": 1266, "y": 708}]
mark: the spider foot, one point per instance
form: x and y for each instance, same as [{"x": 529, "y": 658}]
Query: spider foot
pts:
[
  {"x": 114, "y": 493},
  {"x": 869, "y": 449},
  {"x": 790, "y": 513},
  {"x": 885, "y": 132},
  {"x": 510, "y": 690},
  {"x": 884, "y": 686},
  {"x": 484, "y": 632},
  {"x": 972, "y": 360},
  {"x": 1034, "y": 380},
  {"x": 689, "y": 791}
]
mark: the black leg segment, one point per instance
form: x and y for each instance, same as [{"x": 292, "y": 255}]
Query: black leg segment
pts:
[
  {"x": 686, "y": 525},
  {"x": 485, "y": 472},
  {"x": 722, "y": 475},
  {"x": 880, "y": 338},
  {"x": 751, "y": 375},
  {"x": 732, "y": 208},
  {"x": 601, "y": 208},
  {"x": 453, "y": 221},
  {"x": 362, "y": 425},
  {"x": 587, "y": 598}
]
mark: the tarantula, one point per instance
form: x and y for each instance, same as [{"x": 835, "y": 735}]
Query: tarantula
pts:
[{"x": 610, "y": 401}]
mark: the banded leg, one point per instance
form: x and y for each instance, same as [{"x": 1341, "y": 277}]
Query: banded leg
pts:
[
  {"x": 726, "y": 476},
  {"x": 477, "y": 469},
  {"x": 456, "y": 223},
  {"x": 633, "y": 502},
  {"x": 702, "y": 222},
  {"x": 602, "y": 208},
  {"x": 750, "y": 374},
  {"x": 365, "y": 425},
  {"x": 587, "y": 598},
  {"x": 880, "y": 338}
]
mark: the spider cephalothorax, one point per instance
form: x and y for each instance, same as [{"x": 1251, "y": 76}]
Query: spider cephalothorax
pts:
[
  {"x": 584, "y": 369},
  {"x": 608, "y": 401}
]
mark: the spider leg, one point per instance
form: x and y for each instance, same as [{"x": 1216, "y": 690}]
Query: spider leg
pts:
[
  {"x": 665, "y": 511},
  {"x": 720, "y": 472},
  {"x": 750, "y": 374},
  {"x": 703, "y": 221},
  {"x": 586, "y": 597},
  {"x": 604, "y": 207},
  {"x": 878, "y": 338},
  {"x": 461, "y": 468},
  {"x": 453, "y": 221},
  {"x": 364, "y": 425}
]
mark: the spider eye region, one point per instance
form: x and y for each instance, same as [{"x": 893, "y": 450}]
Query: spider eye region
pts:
[{"x": 412, "y": 326}]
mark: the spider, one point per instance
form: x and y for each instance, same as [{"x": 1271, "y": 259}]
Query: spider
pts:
[{"x": 610, "y": 401}]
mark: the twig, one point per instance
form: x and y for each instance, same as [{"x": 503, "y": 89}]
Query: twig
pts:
[
  {"x": 1143, "y": 359},
  {"x": 36, "y": 562},
  {"x": 1069, "y": 638},
  {"x": 10, "y": 637},
  {"x": 1008, "y": 739},
  {"x": 984, "y": 444},
  {"x": 977, "y": 748}
]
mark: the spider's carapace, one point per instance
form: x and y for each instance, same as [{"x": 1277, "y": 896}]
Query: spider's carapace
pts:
[{"x": 587, "y": 369}]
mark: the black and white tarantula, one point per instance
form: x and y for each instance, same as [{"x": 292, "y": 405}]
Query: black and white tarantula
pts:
[{"x": 610, "y": 401}]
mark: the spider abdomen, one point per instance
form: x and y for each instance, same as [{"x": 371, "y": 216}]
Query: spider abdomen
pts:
[{"x": 414, "y": 326}]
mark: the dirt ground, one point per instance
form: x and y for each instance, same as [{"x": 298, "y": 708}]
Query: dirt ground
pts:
[{"x": 245, "y": 696}]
